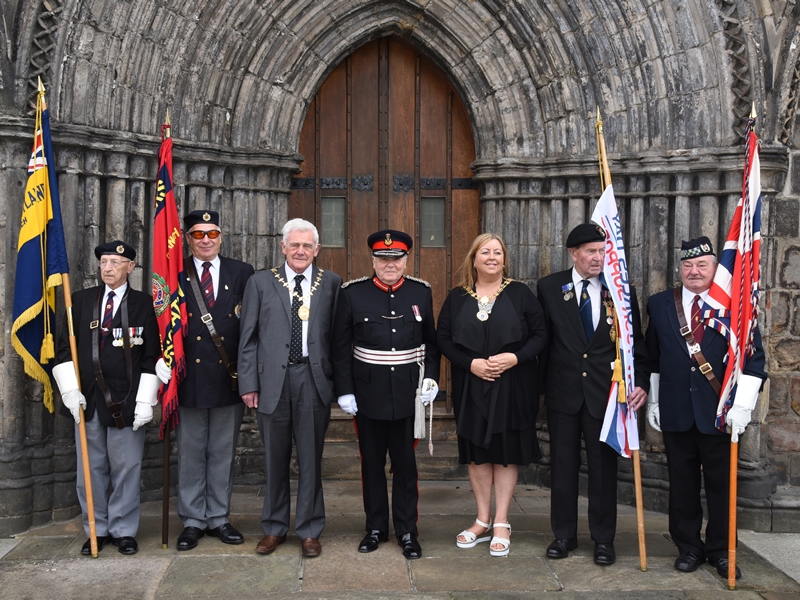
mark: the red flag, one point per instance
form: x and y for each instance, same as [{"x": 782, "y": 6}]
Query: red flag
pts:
[{"x": 168, "y": 299}]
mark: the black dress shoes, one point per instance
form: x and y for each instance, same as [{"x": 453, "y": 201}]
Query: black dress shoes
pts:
[
  {"x": 688, "y": 562},
  {"x": 227, "y": 534},
  {"x": 411, "y": 548},
  {"x": 721, "y": 565},
  {"x": 126, "y": 545},
  {"x": 372, "y": 540},
  {"x": 188, "y": 538},
  {"x": 102, "y": 540},
  {"x": 560, "y": 548},
  {"x": 604, "y": 554}
]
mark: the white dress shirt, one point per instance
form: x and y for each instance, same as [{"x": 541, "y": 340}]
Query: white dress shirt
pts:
[
  {"x": 213, "y": 269},
  {"x": 306, "y": 285},
  {"x": 118, "y": 294},
  {"x": 594, "y": 294}
]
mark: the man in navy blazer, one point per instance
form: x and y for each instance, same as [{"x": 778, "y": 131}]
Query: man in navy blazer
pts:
[
  {"x": 576, "y": 368},
  {"x": 210, "y": 409},
  {"x": 683, "y": 405}
]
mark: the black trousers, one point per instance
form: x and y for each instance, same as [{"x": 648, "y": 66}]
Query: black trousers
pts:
[
  {"x": 689, "y": 452},
  {"x": 565, "y": 453},
  {"x": 375, "y": 437}
]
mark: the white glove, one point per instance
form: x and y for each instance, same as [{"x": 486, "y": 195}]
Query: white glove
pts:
[
  {"x": 146, "y": 399},
  {"x": 71, "y": 396},
  {"x": 163, "y": 371},
  {"x": 429, "y": 390},
  {"x": 653, "y": 413},
  {"x": 348, "y": 404},
  {"x": 746, "y": 397},
  {"x": 142, "y": 415}
]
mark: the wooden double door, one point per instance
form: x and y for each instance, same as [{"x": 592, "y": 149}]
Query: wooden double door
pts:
[{"x": 387, "y": 145}]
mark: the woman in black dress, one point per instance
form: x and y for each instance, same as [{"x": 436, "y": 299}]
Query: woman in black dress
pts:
[{"x": 492, "y": 328}]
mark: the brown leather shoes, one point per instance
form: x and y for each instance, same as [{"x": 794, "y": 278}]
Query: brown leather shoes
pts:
[
  {"x": 311, "y": 547},
  {"x": 268, "y": 543}
]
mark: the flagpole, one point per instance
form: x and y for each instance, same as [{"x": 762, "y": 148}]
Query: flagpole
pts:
[
  {"x": 87, "y": 474},
  {"x": 605, "y": 181},
  {"x": 165, "y": 483},
  {"x": 734, "y": 460}
]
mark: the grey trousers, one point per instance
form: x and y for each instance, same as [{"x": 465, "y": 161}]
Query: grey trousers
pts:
[
  {"x": 115, "y": 462},
  {"x": 206, "y": 448},
  {"x": 301, "y": 415}
]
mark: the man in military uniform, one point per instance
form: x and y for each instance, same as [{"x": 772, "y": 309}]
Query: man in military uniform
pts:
[
  {"x": 682, "y": 405},
  {"x": 576, "y": 368},
  {"x": 385, "y": 361},
  {"x": 210, "y": 410},
  {"x": 118, "y": 346}
]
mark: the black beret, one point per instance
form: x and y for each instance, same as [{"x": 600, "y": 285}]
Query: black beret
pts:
[
  {"x": 389, "y": 243},
  {"x": 200, "y": 216},
  {"x": 585, "y": 233},
  {"x": 117, "y": 248},
  {"x": 697, "y": 247}
]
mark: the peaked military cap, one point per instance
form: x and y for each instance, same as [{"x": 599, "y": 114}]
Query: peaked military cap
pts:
[
  {"x": 117, "y": 248},
  {"x": 585, "y": 233},
  {"x": 389, "y": 243},
  {"x": 695, "y": 248},
  {"x": 200, "y": 216}
]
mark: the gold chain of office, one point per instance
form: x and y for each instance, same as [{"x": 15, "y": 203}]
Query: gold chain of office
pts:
[
  {"x": 303, "y": 312},
  {"x": 484, "y": 301}
]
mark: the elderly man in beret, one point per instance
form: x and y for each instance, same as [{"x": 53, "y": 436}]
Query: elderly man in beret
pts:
[
  {"x": 576, "y": 369},
  {"x": 686, "y": 358},
  {"x": 209, "y": 408},
  {"x": 118, "y": 348}
]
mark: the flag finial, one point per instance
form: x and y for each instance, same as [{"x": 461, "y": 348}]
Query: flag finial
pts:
[
  {"x": 41, "y": 85},
  {"x": 753, "y": 111}
]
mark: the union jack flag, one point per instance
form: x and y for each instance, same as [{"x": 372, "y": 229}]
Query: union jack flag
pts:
[{"x": 732, "y": 304}]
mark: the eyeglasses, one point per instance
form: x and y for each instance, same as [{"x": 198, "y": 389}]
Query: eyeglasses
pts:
[
  {"x": 199, "y": 235},
  {"x": 113, "y": 263}
]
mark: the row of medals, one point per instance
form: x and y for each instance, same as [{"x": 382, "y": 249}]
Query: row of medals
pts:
[
  {"x": 135, "y": 334},
  {"x": 609, "y": 306}
]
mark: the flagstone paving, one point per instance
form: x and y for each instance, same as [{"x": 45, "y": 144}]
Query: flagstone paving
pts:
[{"x": 45, "y": 563}]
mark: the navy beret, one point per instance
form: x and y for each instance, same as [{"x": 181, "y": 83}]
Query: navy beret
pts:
[
  {"x": 585, "y": 233},
  {"x": 200, "y": 216},
  {"x": 117, "y": 248}
]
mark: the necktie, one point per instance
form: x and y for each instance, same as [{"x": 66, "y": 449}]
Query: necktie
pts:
[
  {"x": 585, "y": 306},
  {"x": 108, "y": 316},
  {"x": 697, "y": 324},
  {"x": 207, "y": 284},
  {"x": 296, "y": 344}
]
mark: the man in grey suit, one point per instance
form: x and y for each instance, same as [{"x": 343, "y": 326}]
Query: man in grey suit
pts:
[{"x": 285, "y": 373}]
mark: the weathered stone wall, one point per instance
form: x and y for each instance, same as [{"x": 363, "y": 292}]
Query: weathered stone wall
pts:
[{"x": 674, "y": 81}]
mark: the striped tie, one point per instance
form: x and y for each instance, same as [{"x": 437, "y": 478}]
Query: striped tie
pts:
[
  {"x": 697, "y": 324},
  {"x": 207, "y": 284},
  {"x": 108, "y": 316},
  {"x": 585, "y": 306}
]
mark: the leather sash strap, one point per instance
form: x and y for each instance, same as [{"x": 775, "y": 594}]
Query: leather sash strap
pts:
[
  {"x": 694, "y": 347},
  {"x": 208, "y": 320},
  {"x": 114, "y": 407}
]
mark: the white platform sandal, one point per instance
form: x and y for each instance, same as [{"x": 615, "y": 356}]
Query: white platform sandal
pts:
[
  {"x": 505, "y": 543},
  {"x": 471, "y": 539}
]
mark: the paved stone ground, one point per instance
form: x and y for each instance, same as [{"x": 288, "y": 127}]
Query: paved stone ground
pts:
[{"x": 45, "y": 563}]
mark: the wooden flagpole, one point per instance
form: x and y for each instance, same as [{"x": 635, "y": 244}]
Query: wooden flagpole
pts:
[
  {"x": 87, "y": 473},
  {"x": 605, "y": 181},
  {"x": 734, "y": 474}
]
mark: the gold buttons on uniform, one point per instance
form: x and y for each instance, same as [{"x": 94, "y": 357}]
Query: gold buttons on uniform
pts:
[
  {"x": 199, "y": 338},
  {"x": 585, "y": 356},
  {"x": 392, "y": 368},
  {"x": 584, "y": 373},
  {"x": 198, "y": 360}
]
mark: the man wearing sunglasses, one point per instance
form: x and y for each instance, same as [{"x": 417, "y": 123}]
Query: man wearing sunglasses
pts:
[{"x": 210, "y": 409}]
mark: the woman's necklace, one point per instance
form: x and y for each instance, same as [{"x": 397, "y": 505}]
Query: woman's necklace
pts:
[{"x": 485, "y": 301}]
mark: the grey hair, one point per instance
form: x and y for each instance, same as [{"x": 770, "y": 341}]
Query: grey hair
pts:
[{"x": 299, "y": 225}]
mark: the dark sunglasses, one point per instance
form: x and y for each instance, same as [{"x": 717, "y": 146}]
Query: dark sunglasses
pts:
[{"x": 199, "y": 235}]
